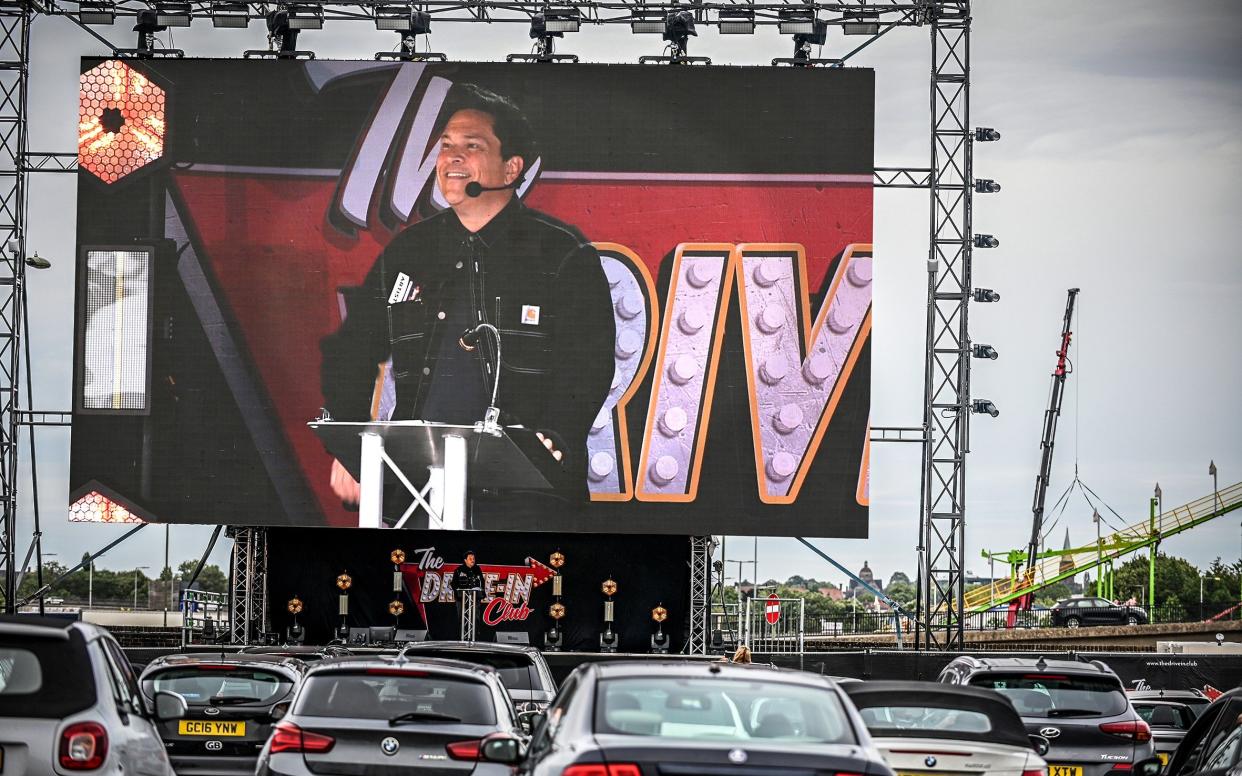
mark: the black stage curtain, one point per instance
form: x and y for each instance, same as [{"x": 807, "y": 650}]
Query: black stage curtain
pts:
[{"x": 649, "y": 570}]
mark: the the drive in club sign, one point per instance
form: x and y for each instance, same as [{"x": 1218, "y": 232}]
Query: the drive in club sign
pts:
[{"x": 506, "y": 588}]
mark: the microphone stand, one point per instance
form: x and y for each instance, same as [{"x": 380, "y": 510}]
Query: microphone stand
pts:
[{"x": 491, "y": 417}]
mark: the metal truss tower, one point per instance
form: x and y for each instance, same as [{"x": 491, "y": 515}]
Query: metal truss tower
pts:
[
  {"x": 248, "y": 597},
  {"x": 946, "y": 392},
  {"x": 14, "y": 72},
  {"x": 700, "y": 593}
]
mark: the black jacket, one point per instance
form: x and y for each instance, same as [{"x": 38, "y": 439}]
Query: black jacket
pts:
[
  {"x": 467, "y": 577},
  {"x": 556, "y": 372}
]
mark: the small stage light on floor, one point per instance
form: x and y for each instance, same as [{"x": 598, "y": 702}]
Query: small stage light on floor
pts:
[
  {"x": 545, "y": 28},
  {"x": 408, "y": 22},
  {"x": 659, "y": 639},
  {"x": 608, "y": 638},
  {"x": 296, "y": 634},
  {"x": 343, "y": 582},
  {"x": 554, "y": 639}
]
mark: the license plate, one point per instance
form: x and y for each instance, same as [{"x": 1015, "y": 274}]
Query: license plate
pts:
[
  {"x": 1064, "y": 770},
  {"x": 1164, "y": 757},
  {"x": 215, "y": 727}
]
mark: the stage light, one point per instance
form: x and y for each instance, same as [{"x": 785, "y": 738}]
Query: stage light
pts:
[
  {"x": 986, "y": 295},
  {"x": 659, "y": 614},
  {"x": 305, "y": 17},
  {"x": 230, "y": 15},
  {"x": 986, "y": 135},
  {"x": 609, "y": 587},
  {"x": 984, "y": 406},
  {"x": 736, "y": 21},
  {"x": 556, "y": 611},
  {"x": 678, "y": 27},
  {"x": 397, "y": 556},
  {"x": 556, "y": 560},
  {"x": 560, "y": 20},
  {"x": 987, "y": 186},
  {"x": 647, "y": 22},
  {"x": 95, "y": 507},
  {"x": 986, "y": 241},
  {"x": 294, "y": 606},
  {"x": 861, "y": 24},
  {"x": 38, "y": 262},
  {"x": 395, "y": 608},
  {"x": 296, "y": 635},
  {"x": 797, "y": 22},
  {"x": 116, "y": 335},
  {"x": 985, "y": 351},
  {"x": 344, "y": 581},
  {"x": 402, "y": 18},
  {"x": 173, "y": 13},
  {"x": 98, "y": 12}
]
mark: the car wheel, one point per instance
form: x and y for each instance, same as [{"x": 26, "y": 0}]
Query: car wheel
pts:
[
  {"x": 1132, "y": 619},
  {"x": 1072, "y": 622}
]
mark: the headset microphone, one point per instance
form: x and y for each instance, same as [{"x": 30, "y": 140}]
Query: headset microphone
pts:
[{"x": 474, "y": 188}]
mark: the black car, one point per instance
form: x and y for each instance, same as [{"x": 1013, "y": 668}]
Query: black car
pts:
[
  {"x": 1087, "y": 612},
  {"x": 381, "y": 716},
  {"x": 643, "y": 718},
  {"x": 1081, "y": 708},
  {"x": 1194, "y": 699},
  {"x": 1169, "y": 721},
  {"x": 523, "y": 670},
  {"x": 1213, "y": 745},
  {"x": 233, "y": 702}
]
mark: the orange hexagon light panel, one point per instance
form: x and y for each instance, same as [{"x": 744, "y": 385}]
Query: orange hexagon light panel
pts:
[
  {"x": 95, "y": 507},
  {"x": 120, "y": 121}
]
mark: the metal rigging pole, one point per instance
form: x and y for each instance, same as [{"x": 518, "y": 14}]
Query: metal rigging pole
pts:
[
  {"x": 946, "y": 410},
  {"x": 14, "y": 71},
  {"x": 1046, "y": 444}
]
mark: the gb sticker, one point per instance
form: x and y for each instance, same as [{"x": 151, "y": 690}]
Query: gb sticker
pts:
[{"x": 530, "y": 314}]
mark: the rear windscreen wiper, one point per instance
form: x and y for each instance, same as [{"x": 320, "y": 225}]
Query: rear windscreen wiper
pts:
[
  {"x": 229, "y": 700},
  {"x": 422, "y": 716},
  {"x": 1073, "y": 712}
]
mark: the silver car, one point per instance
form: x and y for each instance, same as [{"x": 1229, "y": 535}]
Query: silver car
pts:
[{"x": 69, "y": 703}]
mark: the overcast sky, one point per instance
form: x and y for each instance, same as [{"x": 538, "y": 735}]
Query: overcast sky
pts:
[{"x": 1121, "y": 164}]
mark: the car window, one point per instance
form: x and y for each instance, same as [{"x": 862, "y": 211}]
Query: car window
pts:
[
  {"x": 516, "y": 671},
  {"x": 1057, "y": 695},
  {"x": 1165, "y": 715},
  {"x": 203, "y": 683},
  {"x": 925, "y": 718},
  {"x": 720, "y": 709},
  {"x": 123, "y": 691},
  {"x": 1226, "y": 752},
  {"x": 45, "y": 678},
  {"x": 387, "y": 694}
]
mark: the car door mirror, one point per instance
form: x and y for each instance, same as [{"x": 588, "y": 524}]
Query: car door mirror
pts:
[
  {"x": 538, "y": 721},
  {"x": 169, "y": 705},
  {"x": 501, "y": 748},
  {"x": 1149, "y": 767},
  {"x": 525, "y": 719},
  {"x": 1040, "y": 744}
]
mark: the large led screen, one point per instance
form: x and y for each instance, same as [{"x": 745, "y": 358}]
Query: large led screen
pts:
[{"x": 677, "y": 262}]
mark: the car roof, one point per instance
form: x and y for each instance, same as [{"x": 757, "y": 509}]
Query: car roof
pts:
[
  {"x": 1093, "y": 667},
  {"x": 938, "y": 688},
  {"x": 362, "y": 663},
  {"x": 1007, "y": 725},
  {"x": 1194, "y": 695},
  {"x": 700, "y": 668},
  {"x": 1158, "y": 702},
  {"x": 473, "y": 646},
  {"x": 190, "y": 659},
  {"x": 36, "y": 626}
]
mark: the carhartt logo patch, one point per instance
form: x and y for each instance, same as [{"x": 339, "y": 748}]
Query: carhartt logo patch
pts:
[{"x": 530, "y": 314}]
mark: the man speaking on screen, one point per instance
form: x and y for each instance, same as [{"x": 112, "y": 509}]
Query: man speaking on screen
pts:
[{"x": 486, "y": 259}]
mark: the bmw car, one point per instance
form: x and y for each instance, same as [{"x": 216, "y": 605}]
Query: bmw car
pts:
[
  {"x": 368, "y": 716},
  {"x": 644, "y": 718},
  {"x": 522, "y": 669},
  {"x": 233, "y": 701}
]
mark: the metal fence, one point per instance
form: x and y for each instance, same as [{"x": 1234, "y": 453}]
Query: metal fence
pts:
[{"x": 774, "y": 624}]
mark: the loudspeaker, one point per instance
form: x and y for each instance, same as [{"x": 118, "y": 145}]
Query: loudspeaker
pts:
[
  {"x": 406, "y": 635},
  {"x": 359, "y": 636},
  {"x": 512, "y": 637}
]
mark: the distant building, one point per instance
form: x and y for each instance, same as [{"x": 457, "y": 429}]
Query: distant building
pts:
[
  {"x": 866, "y": 575},
  {"x": 830, "y": 591}
]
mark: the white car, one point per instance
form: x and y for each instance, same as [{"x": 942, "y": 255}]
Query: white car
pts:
[
  {"x": 922, "y": 727},
  {"x": 70, "y": 704}
]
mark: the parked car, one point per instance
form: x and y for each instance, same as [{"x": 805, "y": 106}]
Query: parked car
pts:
[
  {"x": 1168, "y": 720},
  {"x": 1213, "y": 745},
  {"x": 1081, "y": 708},
  {"x": 522, "y": 669},
  {"x": 921, "y": 725},
  {"x": 1079, "y": 612},
  {"x": 69, "y": 702},
  {"x": 385, "y": 715},
  {"x": 642, "y": 718},
  {"x": 1194, "y": 699},
  {"x": 307, "y": 654},
  {"x": 234, "y": 700}
]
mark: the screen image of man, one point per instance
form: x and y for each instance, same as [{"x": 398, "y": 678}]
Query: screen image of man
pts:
[{"x": 486, "y": 259}]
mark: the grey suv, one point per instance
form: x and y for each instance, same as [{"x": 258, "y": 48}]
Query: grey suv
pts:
[
  {"x": 1081, "y": 708},
  {"x": 69, "y": 703}
]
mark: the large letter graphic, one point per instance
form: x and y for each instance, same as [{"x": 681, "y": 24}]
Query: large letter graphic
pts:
[
  {"x": 635, "y": 315},
  {"x": 796, "y": 375}
]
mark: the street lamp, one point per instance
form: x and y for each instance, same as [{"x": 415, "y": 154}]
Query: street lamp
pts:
[
  {"x": 136, "y": 570},
  {"x": 1201, "y": 578}
]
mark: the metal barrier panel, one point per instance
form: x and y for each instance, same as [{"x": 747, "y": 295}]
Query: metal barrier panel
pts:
[{"x": 774, "y": 624}]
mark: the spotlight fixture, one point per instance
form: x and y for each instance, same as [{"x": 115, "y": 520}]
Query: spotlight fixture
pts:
[
  {"x": 987, "y": 186},
  {"x": 797, "y": 21},
  {"x": 609, "y": 587},
  {"x": 230, "y": 15},
  {"x": 986, "y": 135},
  {"x": 173, "y": 13},
  {"x": 556, "y": 611},
  {"x": 344, "y": 581},
  {"x": 984, "y": 406},
  {"x": 294, "y": 606},
  {"x": 97, "y": 12},
  {"x": 986, "y": 295},
  {"x": 296, "y": 635},
  {"x": 678, "y": 27},
  {"x": 545, "y": 28},
  {"x": 984, "y": 351},
  {"x": 146, "y": 25},
  {"x": 647, "y": 22},
  {"x": 561, "y": 20},
  {"x": 305, "y": 17},
  {"x": 986, "y": 241},
  {"x": 557, "y": 559},
  {"x": 861, "y": 24},
  {"x": 736, "y": 21},
  {"x": 397, "y": 556},
  {"x": 395, "y": 608},
  {"x": 283, "y": 26},
  {"x": 402, "y": 18},
  {"x": 659, "y": 614},
  {"x": 38, "y": 262}
]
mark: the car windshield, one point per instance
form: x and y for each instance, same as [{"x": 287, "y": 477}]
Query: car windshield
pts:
[
  {"x": 1165, "y": 715},
  {"x": 215, "y": 684},
  {"x": 880, "y": 719},
  {"x": 720, "y": 709},
  {"x": 516, "y": 672},
  {"x": 1057, "y": 695},
  {"x": 384, "y": 694}
]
